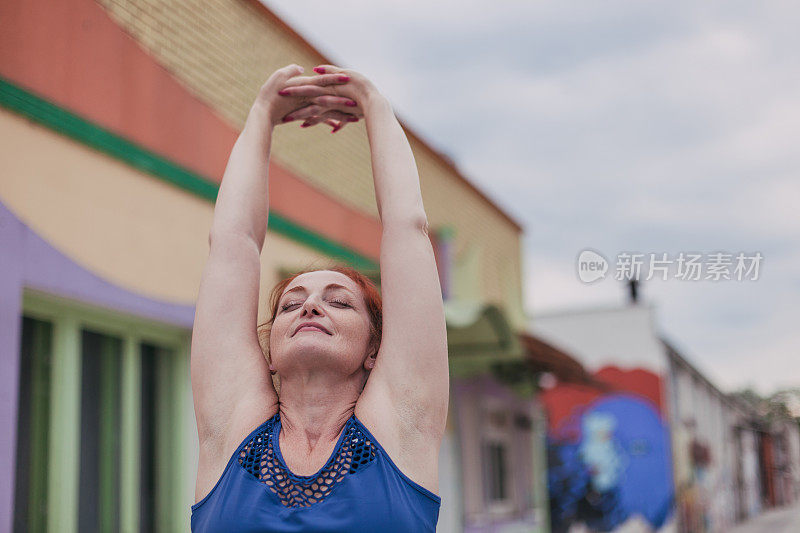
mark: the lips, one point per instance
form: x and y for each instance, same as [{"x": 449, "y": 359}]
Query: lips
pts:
[{"x": 313, "y": 325}]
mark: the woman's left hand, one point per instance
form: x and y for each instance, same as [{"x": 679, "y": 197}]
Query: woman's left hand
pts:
[{"x": 345, "y": 105}]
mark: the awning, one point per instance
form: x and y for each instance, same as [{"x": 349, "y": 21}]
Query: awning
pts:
[
  {"x": 480, "y": 341},
  {"x": 478, "y": 334},
  {"x": 544, "y": 357}
]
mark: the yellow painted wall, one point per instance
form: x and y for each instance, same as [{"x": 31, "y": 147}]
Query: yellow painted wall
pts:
[
  {"x": 224, "y": 50},
  {"x": 127, "y": 227}
]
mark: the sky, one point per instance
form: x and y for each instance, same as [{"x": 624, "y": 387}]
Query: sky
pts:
[{"x": 620, "y": 127}]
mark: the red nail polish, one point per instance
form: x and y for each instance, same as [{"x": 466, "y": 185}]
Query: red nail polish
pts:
[
  {"x": 283, "y": 92},
  {"x": 287, "y": 119},
  {"x": 351, "y": 103},
  {"x": 352, "y": 119},
  {"x": 319, "y": 70},
  {"x": 344, "y": 78}
]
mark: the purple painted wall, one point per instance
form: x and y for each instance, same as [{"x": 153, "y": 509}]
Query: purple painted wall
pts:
[{"x": 28, "y": 261}]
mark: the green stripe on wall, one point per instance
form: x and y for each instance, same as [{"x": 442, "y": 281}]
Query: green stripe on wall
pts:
[{"x": 71, "y": 125}]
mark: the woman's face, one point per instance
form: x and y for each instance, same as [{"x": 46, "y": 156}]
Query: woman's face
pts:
[{"x": 333, "y": 301}]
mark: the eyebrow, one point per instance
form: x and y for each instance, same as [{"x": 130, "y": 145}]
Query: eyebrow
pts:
[{"x": 329, "y": 286}]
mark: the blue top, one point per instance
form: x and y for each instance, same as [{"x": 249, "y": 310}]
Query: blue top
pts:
[{"x": 358, "y": 489}]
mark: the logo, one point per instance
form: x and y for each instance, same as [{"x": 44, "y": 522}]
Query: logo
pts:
[{"x": 591, "y": 266}]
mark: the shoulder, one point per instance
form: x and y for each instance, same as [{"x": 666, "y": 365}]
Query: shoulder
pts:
[
  {"x": 246, "y": 423},
  {"x": 402, "y": 431},
  {"x": 215, "y": 454}
]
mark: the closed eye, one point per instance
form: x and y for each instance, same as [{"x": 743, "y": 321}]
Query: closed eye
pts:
[{"x": 285, "y": 307}]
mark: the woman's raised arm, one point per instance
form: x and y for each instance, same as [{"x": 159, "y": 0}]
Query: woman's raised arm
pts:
[
  {"x": 231, "y": 384},
  {"x": 412, "y": 364},
  {"x": 229, "y": 374},
  {"x": 411, "y": 371}
]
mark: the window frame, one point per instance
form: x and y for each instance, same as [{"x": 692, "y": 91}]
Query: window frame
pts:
[
  {"x": 503, "y": 436},
  {"x": 69, "y": 317}
]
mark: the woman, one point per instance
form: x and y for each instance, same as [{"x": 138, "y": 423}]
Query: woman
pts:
[{"x": 334, "y": 451}]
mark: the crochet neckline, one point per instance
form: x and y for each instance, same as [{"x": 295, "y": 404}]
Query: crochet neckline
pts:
[{"x": 276, "y": 428}]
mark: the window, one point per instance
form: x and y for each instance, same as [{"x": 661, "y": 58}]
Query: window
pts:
[
  {"x": 496, "y": 458},
  {"x": 116, "y": 392},
  {"x": 30, "y": 502},
  {"x": 100, "y": 414},
  {"x": 495, "y": 477},
  {"x": 159, "y": 446}
]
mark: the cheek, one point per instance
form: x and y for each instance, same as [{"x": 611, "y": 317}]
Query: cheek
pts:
[
  {"x": 281, "y": 324},
  {"x": 366, "y": 328},
  {"x": 277, "y": 333}
]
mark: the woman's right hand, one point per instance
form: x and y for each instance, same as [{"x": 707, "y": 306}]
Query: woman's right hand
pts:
[
  {"x": 352, "y": 93},
  {"x": 314, "y": 100}
]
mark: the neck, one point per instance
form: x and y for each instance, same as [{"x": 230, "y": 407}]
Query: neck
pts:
[{"x": 314, "y": 411}]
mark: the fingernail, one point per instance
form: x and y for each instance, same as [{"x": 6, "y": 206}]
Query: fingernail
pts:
[
  {"x": 352, "y": 119},
  {"x": 287, "y": 118},
  {"x": 336, "y": 129},
  {"x": 344, "y": 78},
  {"x": 350, "y": 103},
  {"x": 305, "y": 124},
  {"x": 319, "y": 70},
  {"x": 283, "y": 92}
]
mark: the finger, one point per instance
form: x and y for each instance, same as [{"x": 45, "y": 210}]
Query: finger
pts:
[
  {"x": 339, "y": 116},
  {"x": 333, "y": 117},
  {"x": 290, "y": 71},
  {"x": 327, "y": 69},
  {"x": 309, "y": 122},
  {"x": 340, "y": 103},
  {"x": 303, "y": 112},
  {"x": 337, "y": 125},
  {"x": 313, "y": 121},
  {"x": 337, "y": 119},
  {"x": 306, "y": 91},
  {"x": 323, "y": 80}
]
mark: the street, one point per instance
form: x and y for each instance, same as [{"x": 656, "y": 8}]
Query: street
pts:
[{"x": 781, "y": 520}]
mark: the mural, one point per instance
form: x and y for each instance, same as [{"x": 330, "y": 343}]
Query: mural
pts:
[{"x": 609, "y": 457}]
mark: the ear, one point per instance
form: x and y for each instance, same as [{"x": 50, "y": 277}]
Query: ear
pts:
[{"x": 370, "y": 362}]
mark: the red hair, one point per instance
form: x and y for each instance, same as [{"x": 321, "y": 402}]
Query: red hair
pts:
[{"x": 371, "y": 294}]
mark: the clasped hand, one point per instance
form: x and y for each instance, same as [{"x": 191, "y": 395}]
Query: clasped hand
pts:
[{"x": 334, "y": 96}]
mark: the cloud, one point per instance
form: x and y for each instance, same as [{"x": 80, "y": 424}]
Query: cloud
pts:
[{"x": 614, "y": 125}]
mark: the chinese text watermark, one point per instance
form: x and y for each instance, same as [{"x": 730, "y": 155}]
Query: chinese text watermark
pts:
[{"x": 685, "y": 266}]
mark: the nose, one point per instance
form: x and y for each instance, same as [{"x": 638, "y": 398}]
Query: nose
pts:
[{"x": 310, "y": 307}]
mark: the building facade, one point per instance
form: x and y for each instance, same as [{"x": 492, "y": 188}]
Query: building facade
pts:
[
  {"x": 654, "y": 444},
  {"x": 713, "y": 452},
  {"x": 117, "y": 120},
  {"x": 609, "y": 448}
]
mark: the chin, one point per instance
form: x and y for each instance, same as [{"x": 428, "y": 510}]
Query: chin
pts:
[{"x": 311, "y": 348}]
